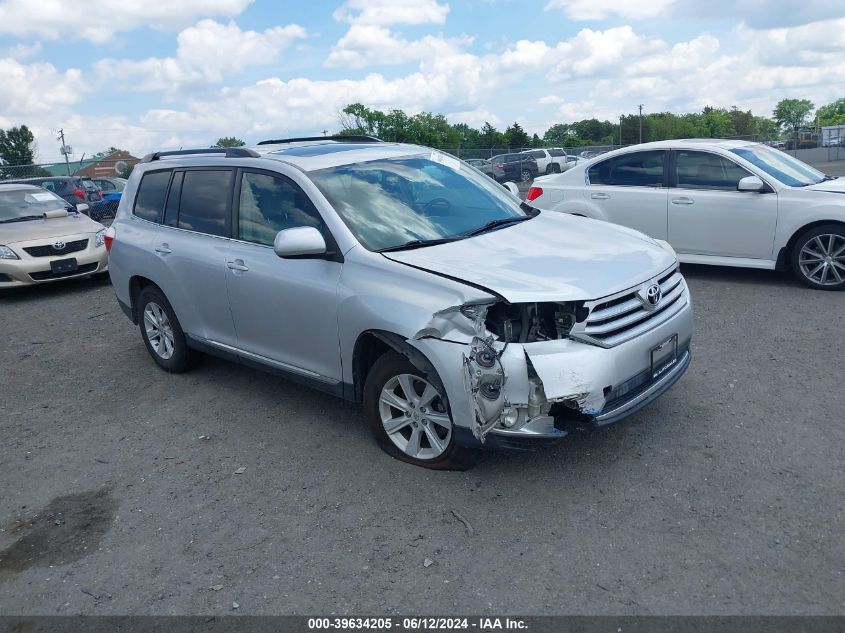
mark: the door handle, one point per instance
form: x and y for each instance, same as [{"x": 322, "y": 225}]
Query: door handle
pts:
[
  {"x": 683, "y": 200},
  {"x": 600, "y": 196},
  {"x": 238, "y": 265},
  {"x": 164, "y": 249}
]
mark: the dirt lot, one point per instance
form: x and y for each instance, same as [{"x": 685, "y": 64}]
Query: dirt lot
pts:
[{"x": 119, "y": 490}]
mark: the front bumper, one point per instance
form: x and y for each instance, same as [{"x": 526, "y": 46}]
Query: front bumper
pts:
[
  {"x": 30, "y": 269},
  {"x": 559, "y": 385}
]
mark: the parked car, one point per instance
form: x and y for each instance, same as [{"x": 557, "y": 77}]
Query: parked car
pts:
[
  {"x": 728, "y": 203},
  {"x": 44, "y": 238},
  {"x": 549, "y": 161},
  {"x": 459, "y": 317},
  {"x": 75, "y": 190},
  {"x": 514, "y": 167},
  {"x": 109, "y": 185},
  {"x": 484, "y": 166}
]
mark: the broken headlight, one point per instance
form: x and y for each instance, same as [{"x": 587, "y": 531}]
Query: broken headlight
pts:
[{"x": 530, "y": 322}]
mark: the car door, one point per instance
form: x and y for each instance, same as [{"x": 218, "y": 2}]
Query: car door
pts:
[
  {"x": 192, "y": 247},
  {"x": 630, "y": 189},
  {"x": 708, "y": 216},
  {"x": 285, "y": 310}
]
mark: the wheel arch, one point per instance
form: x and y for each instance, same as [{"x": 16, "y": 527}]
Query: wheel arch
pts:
[
  {"x": 785, "y": 253},
  {"x": 137, "y": 283}
]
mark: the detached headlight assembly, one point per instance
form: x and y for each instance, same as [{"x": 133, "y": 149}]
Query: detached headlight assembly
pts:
[
  {"x": 100, "y": 238},
  {"x": 7, "y": 253}
]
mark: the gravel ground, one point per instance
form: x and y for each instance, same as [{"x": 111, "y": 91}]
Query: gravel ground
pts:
[{"x": 120, "y": 492}]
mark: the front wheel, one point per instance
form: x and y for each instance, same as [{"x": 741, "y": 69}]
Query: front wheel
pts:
[
  {"x": 818, "y": 258},
  {"x": 410, "y": 418},
  {"x": 525, "y": 176}
]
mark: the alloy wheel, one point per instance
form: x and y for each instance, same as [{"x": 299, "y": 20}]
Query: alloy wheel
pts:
[
  {"x": 822, "y": 259},
  {"x": 414, "y": 416},
  {"x": 159, "y": 330}
]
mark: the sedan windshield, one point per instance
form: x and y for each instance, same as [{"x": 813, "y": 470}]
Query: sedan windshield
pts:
[
  {"x": 19, "y": 204},
  {"x": 414, "y": 201},
  {"x": 790, "y": 171}
]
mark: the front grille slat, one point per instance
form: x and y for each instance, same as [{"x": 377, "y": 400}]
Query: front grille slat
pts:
[
  {"x": 621, "y": 317},
  {"x": 48, "y": 250}
]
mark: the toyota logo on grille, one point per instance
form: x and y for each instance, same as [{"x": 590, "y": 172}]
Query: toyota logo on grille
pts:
[
  {"x": 653, "y": 295},
  {"x": 59, "y": 245}
]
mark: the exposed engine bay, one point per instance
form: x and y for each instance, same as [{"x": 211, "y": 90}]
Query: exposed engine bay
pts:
[{"x": 531, "y": 322}]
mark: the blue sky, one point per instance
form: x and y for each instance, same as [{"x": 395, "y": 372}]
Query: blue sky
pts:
[{"x": 153, "y": 75}]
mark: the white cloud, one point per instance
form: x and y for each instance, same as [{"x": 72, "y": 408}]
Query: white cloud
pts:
[
  {"x": 475, "y": 118},
  {"x": 31, "y": 90},
  {"x": 374, "y": 45},
  {"x": 601, "y": 9},
  {"x": 591, "y": 52},
  {"x": 386, "y": 12},
  {"x": 23, "y": 51},
  {"x": 99, "y": 20},
  {"x": 206, "y": 53}
]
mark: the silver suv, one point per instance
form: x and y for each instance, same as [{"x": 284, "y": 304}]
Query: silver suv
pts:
[{"x": 402, "y": 278}]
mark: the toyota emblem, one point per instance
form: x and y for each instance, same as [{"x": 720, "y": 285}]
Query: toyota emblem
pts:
[
  {"x": 653, "y": 295},
  {"x": 59, "y": 245}
]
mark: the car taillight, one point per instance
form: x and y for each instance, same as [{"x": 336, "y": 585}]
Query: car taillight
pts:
[
  {"x": 108, "y": 238},
  {"x": 534, "y": 193},
  {"x": 79, "y": 193},
  {"x": 500, "y": 165}
]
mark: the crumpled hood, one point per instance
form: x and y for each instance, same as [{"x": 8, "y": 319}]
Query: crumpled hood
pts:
[
  {"x": 831, "y": 186},
  {"x": 41, "y": 229},
  {"x": 552, "y": 257}
]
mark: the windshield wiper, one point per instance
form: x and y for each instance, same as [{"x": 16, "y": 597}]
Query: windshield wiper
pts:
[
  {"x": 22, "y": 218},
  {"x": 494, "y": 224},
  {"x": 827, "y": 177},
  {"x": 407, "y": 246}
]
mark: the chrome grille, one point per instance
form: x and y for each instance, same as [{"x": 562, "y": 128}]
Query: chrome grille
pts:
[{"x": 623, "y": 316}]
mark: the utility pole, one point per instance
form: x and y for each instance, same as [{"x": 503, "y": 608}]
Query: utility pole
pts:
[
  {"x": 325, "y": 132},
  {"x": 620, "y": 130},
  {"x": 641, "y": 122},
  {"x": 61, "y": 137}
]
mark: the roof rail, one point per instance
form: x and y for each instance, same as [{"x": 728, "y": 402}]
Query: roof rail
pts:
[
  {"x": 353, "y": 138},
  {"x": 230, "y": 152}
]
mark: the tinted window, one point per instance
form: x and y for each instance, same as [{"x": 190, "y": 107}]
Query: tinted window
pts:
[
  {"x": 204, "y": 204},
  {"x": 269, "y": 204},
  {"x": 700, "y": 170},
  {"x": 637, "y": 169},
  {"x": 557, "y": 152},
  {"x": 150, "y": 198},
  {"x": 537, "y": 154},
  {"x": 171, "y": 209}
]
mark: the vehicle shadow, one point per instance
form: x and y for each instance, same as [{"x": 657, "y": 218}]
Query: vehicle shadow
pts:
[
  {"x": 53, "y": 289},
  {"x": 750, "y": 276}
]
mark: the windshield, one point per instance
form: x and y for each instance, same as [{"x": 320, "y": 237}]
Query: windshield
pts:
[
  {"x": 28, "y": 203},
  {"x": 390, "y": 202},
  {"x": 790, "y": 171}
]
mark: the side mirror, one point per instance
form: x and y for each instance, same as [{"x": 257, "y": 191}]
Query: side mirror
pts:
[
  {"x": 511, "y": 186},
  {"x": 83, "y": 208},
  {"x": 751, "y": 183},
  {"x": 299, "y": 242}
]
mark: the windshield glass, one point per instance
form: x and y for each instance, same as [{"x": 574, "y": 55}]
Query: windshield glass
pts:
[
  {"x": 790, "y": 171},
  {"x": 23, "y": 203},
  {"x": 390, "y": 202}
]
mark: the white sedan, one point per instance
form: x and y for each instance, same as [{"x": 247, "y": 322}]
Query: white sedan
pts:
[{"x": 728, "y": 203}]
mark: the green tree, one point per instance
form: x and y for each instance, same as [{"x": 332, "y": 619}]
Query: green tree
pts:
[
  {"x": 558, "y": 133},
  {"x": 792, "y": 114},
  {"x": 490, "y": 137},
  {"x": 227, "y": 141},
  {"x": 832, "y": 113},
  {"x": 17, "y": 146},
  {"x": 516, "y": 137}
]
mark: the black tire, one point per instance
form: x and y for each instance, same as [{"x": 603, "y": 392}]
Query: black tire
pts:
[
  {"x": 387, "y": 367},
  {"x": 807, "y": 240},
  {"x": 554, "y": 168},
  {"x": 182, "y": 357}
]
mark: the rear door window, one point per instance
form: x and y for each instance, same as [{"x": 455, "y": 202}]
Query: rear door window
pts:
[
  {"x": 636, "y": 169},
  {"x": 149, "y": 201},
  {"x": 204, "y": 206}
]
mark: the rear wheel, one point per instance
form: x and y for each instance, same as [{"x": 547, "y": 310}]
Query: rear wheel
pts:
[
  {"x": 525, "y": 176},
  {"x": 162, "y": 333},
  {"x": 410, "y": 418},
  {"x": 818, "y": 257}
]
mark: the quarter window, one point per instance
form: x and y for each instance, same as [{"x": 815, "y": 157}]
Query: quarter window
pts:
[
  {"x": 702, "y": 170},
  {"x": 205, "y": 201},
  {"x": 151, "y": 192},
  {"x": 637, "y": 169},
  {"x": 269, "y": 204}
]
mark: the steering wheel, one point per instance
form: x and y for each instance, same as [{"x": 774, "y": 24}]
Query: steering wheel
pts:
[{"x": 442, "y": 202}]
